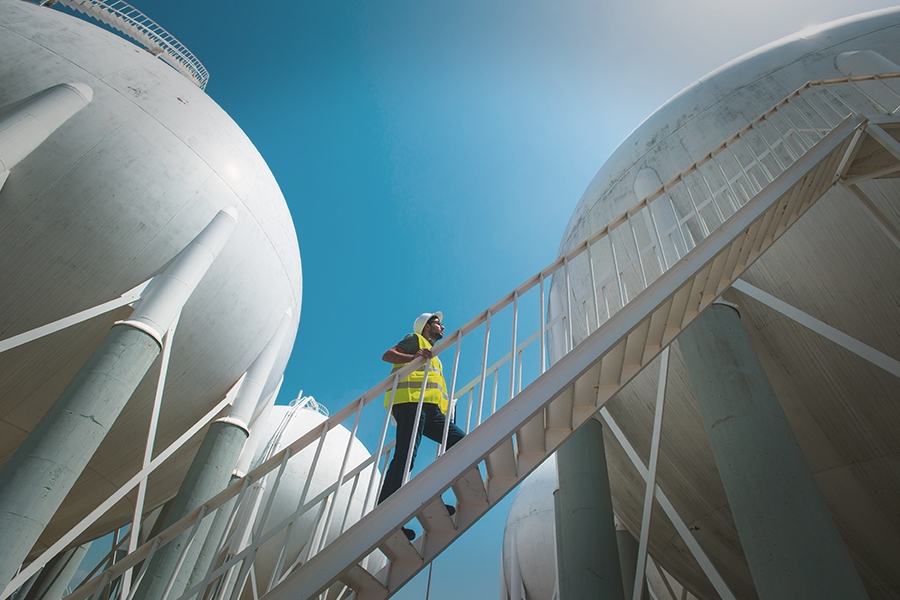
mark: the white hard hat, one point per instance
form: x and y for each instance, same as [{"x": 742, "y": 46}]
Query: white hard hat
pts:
[{"x": 422, "y": 319}]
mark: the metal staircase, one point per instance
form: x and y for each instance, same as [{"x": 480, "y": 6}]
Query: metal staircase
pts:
[{"x": 652, "y": 271}]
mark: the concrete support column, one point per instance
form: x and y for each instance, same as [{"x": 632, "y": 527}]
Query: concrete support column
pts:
[
  {"x": 628, "y": 555},
  {"x": 46, "y": 465},
  {"x": 54, "y": 578},
  {"x": 586, "y": 549},
  {"x": 217, "y": 531},
  {"x": 789, "y": 538},
  {"x": 210, "y": 473}
]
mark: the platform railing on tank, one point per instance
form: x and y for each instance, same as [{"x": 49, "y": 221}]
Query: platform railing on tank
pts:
[
  {"x": 622, "y": 259},
  {"x": 128, "y": 20}
]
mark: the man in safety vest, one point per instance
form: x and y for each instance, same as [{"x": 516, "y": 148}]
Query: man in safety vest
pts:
[{"x": 427, "y": 330}]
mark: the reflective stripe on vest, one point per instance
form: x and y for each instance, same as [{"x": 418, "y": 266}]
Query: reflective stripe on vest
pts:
[{"x": 410, "y": 387}]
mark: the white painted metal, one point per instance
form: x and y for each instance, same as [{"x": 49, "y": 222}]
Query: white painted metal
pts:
[
  {"x": 25, "y": 127},
  {"x": 884, "y": 223},
  {"x": 651, "y": 477},
  {"x": 246, "y": 404},
  {"x": 38, "y": 332},
  {"x": 167, "y": 294},
  {"x": 864, "y": 351},
  {"x": 694, "y": 548}
]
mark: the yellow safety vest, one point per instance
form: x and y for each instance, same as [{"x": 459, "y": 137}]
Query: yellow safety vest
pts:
[{"x": 410, "y": 387}]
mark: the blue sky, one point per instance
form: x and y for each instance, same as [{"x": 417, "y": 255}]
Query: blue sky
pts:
[{"x": 431, "y": 154}]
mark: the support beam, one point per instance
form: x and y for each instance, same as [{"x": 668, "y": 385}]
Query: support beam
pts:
[
  {"x": 865, "y": 352},
  {"x": 586, "y": 548},
  {"x": 210, "y": 472},
  {"x": 49, "y": 461},
  {"x": 789, "y": 538}
]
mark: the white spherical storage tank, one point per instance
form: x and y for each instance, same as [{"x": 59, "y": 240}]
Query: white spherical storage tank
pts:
[
  {"x": 305, "y": 478},
  {"x": 835, "y": 264},
  {"x": 528, "y": 559},
  {"x": 105, "y": 203}
]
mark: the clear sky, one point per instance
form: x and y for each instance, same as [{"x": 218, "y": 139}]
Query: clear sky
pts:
[{"x": 431, "y": 154}]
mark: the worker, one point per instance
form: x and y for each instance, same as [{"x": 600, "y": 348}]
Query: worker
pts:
[{"x": 427, "y": 330}]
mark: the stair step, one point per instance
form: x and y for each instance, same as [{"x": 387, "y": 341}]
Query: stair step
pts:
[
  {"x": 434, "y": 517},
  {"x": 530, "y": 437},
  {"x": 656, "y": 331},
  {"x": 364, "y": 583},
  {"x": 695, "y": 298},
  {"x": 501, "y": 462},
  {"x": 559, "y": 411},
  {"x": 635, "y": 345},
  {"x": 675, "y": 318},
  {"x": 469, "y": 489},
  {"x": 398, "y": 547},
  {"x": 585, "y": 396}
]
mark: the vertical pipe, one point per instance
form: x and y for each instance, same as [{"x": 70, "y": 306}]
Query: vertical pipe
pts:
[
  {"x": 637, "y": 249},
  {"x": 395, "y": 380},
  {"x": 148, "y": 450},
  {"x": 415, "y": 429}
]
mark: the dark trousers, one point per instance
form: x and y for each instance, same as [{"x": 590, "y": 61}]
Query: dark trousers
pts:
[{"x": 431, "y": 424}]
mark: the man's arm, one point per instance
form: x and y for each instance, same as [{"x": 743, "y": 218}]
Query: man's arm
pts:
[
  {"x": 405, "y": 351},
  {"x": 399, "y": 356}
]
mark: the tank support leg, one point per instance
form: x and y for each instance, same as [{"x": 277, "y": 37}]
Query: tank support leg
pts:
[
  {"x": 25, "y": 127},
  {"x": 586, "y": 548},
  {"x": 53, "y": 579},
  {"x": 791, "y": 542},
  {"x": 210, "y": 472},
  {"x": 47, "y": 464}
]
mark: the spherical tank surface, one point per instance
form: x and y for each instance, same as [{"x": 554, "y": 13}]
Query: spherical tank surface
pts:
[
  {"x": 529, "y": 538},
  {"x": 303, "y": 480},
  {"x": 102, "y": 205},
  {"x": 834, "y": 264}
]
